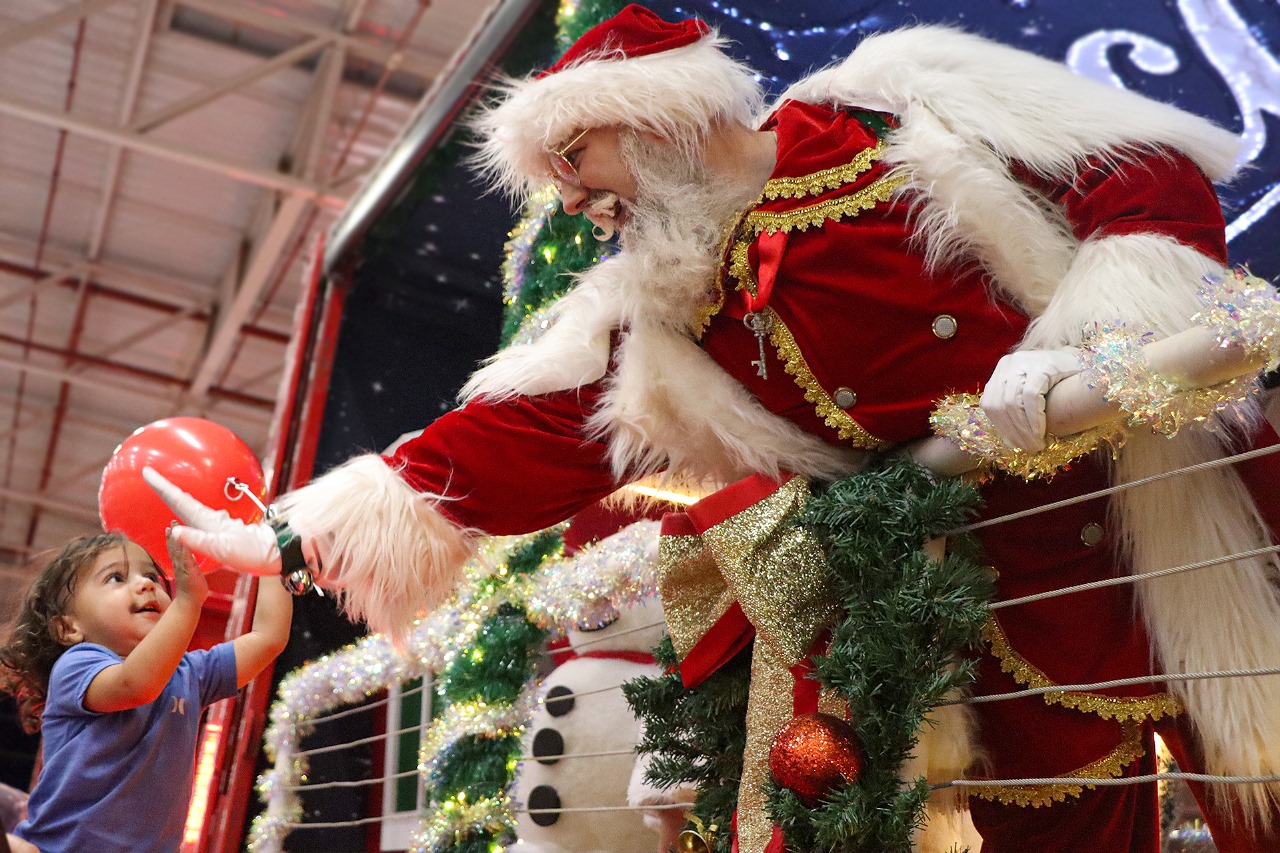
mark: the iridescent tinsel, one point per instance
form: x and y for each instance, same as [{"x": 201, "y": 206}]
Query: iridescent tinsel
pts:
[
  {"x": 456, "y": 819},
  {"x": 472, "y": 718},
  {"x": 560, "y": 594},
  {"x": 1240, "y": 310},
  {"x": 519, "y": 245},
  {"x": 960, "y": 418},
  {"x": 1114, "y": 363},
  {"x": 1243, "y": 310}
]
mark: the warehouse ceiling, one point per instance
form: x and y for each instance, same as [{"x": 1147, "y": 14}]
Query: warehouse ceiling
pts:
[{"x": 165, "y": 168}]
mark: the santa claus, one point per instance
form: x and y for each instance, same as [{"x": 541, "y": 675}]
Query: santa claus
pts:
[{"x": 797, "y": 287}]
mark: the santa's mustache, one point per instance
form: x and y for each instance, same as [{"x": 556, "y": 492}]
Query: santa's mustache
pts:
[{"x": 603, "y": 209}]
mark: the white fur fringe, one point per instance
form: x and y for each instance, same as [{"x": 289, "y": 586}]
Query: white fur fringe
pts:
[{"x": 387, "y": 551}]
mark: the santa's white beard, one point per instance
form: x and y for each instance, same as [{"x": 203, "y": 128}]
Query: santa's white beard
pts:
[{"x": 674, "y": 230}]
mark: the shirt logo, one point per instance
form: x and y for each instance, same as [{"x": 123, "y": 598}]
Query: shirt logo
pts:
[{"x": 179, "y": 706}]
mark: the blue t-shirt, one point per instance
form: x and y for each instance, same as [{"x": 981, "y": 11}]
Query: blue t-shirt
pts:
[{"x": 120, "y": 781}]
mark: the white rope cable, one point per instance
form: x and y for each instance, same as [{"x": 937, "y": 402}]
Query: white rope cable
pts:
[
  {"x": 570, "y": 649},
  {"x": 424, "y": 725},
  {"x": 552, "y": 759},
  {"x": 347, "y": 712},
  {"x": 1143, "y": 576},
  {"x": 351, "y": 783},
  {"x": 1110, "y": 490},
  {"x": 663, "y": 807},
  {"x": 372, "y": 739},
  {"x": 368, "y": 706},
  {"x": 1119, "y": 682},
  {"x": 578, "y": 693},
  {"x": 1108, "y": 782},
  {"x": 337, "y": 824}
]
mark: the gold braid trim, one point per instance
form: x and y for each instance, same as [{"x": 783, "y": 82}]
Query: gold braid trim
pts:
[
  {"x": 826, "y": 179},
  {"x": 715, "y": 302},
  {"x": 1110, "y": 766},
  {"x": 740, "y": 267},
  {"x": 832, "y": 415},
  {"x": 833, "y": 208},
  {"x": 1153, "y": 706},
  {"x": 702, "y": 317}
]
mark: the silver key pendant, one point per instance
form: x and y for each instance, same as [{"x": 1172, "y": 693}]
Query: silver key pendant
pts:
[{"x": 761, "y": 324}]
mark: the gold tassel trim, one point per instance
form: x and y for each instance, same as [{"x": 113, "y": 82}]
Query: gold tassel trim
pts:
[
  {"x": 1110, "y": 766},
  {"x": 1153, "y": 706},
  {"x": 826, "y": 179},
  {"x": 832, "y": 415},
  {"x": 812, "y": 215}
]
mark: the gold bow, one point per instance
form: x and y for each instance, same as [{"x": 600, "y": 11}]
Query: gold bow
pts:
[{"x": 777, "y": 573}]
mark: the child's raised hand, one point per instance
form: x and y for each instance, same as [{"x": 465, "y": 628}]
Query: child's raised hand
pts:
[{"x": 188, "y": 580}]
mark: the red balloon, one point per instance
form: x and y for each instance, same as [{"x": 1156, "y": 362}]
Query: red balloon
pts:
[{"x": 198, "y": 456}]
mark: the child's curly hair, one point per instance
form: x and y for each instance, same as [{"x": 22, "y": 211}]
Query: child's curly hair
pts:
[{"x": 30, "y": 649}]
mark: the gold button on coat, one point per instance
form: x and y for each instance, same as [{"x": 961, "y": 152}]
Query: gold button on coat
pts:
[
  {"x": 944, "y": 326},
  {"x": 1092, "y": 533},
  {"x": 845, "y": 397}
]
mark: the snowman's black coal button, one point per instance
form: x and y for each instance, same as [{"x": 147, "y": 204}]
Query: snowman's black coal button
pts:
[
  {"x": 548, "y": 746},
  {"x": 544, "y": 797},
  {"x": 559, "y": 700}
]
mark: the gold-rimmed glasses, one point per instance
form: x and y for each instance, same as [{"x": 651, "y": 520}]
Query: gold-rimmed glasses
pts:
[{"x": 560, "y": 164}]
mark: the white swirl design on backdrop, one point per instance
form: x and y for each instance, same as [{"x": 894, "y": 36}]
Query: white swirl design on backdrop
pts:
[{"x": 1250, "y": 72}]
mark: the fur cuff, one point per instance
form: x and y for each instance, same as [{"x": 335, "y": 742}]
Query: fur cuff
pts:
[{"x": 388, "y": 552}]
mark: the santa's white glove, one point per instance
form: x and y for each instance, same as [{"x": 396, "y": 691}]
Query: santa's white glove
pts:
[
  {"x": 1014, "y": 395},
  {"x": 247, "y": 548}
]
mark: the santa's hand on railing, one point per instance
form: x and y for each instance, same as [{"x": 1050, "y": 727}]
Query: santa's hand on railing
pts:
[
  {"x": 248, "y": 548},
  {"x": 1014, "y": 396}
]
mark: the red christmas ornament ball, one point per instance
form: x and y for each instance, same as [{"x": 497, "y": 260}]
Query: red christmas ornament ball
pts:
[
  {"x": 200, "y": 457},
  {"x": 814, "y": 754}
]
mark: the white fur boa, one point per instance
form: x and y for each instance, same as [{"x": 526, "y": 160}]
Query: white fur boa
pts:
[{"x": 669, "y": 409}]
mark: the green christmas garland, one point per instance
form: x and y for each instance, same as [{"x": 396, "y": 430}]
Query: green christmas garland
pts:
[
  {"x": 895, "y": 654},
  {"x": 493, "y": 671}
]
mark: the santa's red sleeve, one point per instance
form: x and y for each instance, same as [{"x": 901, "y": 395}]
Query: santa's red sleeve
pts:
[
  {"x": 1149, "y": 228},
  {"x": 1155, "y": 191},
  {"x": 394, "y": 531},
  {"x": 512, "y": 466}
]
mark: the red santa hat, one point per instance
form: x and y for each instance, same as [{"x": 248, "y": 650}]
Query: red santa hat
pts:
[{"x": 634, "y": 70}]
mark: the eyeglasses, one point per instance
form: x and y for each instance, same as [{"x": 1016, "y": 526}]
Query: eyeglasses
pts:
[{"x": 561, "y": 167}]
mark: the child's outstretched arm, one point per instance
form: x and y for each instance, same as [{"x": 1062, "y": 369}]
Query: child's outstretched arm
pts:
[
  {"x": 267, "y": 637},
  {"x": 142, "y": 677}
]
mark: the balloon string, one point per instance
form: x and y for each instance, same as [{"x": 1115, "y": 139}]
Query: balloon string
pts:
[{"x": 235, "y": 485}]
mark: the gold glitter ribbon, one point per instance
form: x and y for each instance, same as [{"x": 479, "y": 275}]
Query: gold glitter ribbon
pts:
[{"x": 777, "y": 573}]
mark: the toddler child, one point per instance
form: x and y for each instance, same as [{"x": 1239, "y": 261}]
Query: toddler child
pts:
[{"x": 98, "y": 661}]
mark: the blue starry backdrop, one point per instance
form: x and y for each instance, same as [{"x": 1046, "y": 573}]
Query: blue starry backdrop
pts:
[{"x": 426, "y": 291}]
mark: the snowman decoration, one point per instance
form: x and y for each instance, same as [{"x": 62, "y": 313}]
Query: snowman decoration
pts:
[{"x": 579, "y": 747}]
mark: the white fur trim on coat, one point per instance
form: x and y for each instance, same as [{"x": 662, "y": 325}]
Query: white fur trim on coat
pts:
[
  {"x": 671, "y": 407},
  {"x": 387, "y": 551},
  {"x": 572, "y": 352},
  {"x": 1028, "y": 108},
  {"x": 678, "y": 94}
]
